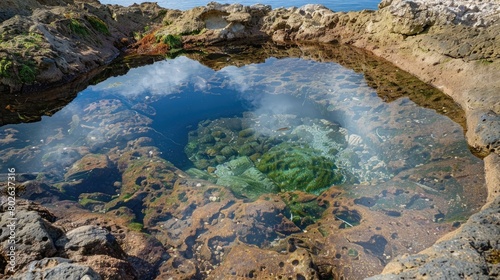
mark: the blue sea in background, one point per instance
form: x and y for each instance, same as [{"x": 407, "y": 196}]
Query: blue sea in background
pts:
[{"x": 335, "y": 5}]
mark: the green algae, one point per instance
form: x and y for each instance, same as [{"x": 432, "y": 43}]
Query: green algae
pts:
[
  {"x": 77, "y": 27},
  {"x": 303, "y": 213},
  {"x": 5, "y": 67},
  {"x": 136, "y": 226},
  {"x": 244, "y": 180},
  {"x": 298, "y": 167},
  {"x": 98, "y": 24}
]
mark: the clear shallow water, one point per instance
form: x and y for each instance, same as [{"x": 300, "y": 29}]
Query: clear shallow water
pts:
[
  {"x": 286, "y": 127},
  {"x": 182, "y": 104},
  {"x": 335, "y": 5}
]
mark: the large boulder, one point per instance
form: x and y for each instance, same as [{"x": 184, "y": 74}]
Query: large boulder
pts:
[
  {"x": 89, "y": 240},
  {"x": 57, "y": 268},
  {"x": 34, "y": 236}
]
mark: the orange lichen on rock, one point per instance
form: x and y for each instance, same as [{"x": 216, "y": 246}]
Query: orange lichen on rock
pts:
[{"x": 150, "y": 45}]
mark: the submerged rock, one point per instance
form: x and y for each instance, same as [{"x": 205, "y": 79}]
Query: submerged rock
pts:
[{"x": 92, "y": 173}]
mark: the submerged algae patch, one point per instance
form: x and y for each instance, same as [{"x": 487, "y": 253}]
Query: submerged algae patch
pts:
[
  {"x": 268, "y": 153},
  {"x": 298, "y": 167}
]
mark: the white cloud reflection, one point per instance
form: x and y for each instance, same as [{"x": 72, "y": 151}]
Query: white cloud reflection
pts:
[{"x": 161, "y": 78}]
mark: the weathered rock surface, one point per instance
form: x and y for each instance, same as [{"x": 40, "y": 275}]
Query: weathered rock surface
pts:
[
  {"x": 76, "y": 246},
  {"x": 34, "y": 234},
  {"x": 89, "y": 240},
  {"x": 471, "y": 252},
  {"x": 47, "y": 42},
  {"x": 57, "y": 268}
]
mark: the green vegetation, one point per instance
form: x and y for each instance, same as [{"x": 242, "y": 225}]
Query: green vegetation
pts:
[
  {"x": 126, "y": 196},
  {"x": 138, "y": 36},
  {"x": 98, "y": 24},
  {"x": 5, "y": 67},
  {"x": 303, "y": 213},
  {"x": 173, "y": 41},
  {"x": 24, "y": 42},
  {"x": 78, "y": 28},
  {"x": 136, "y": 226},
  {"x": 293, "y": 167},
  {"x": 27, "y": 72},
  {"x": 193, "y": 32}
]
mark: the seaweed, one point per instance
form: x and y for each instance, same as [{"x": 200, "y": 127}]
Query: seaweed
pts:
[{"x": 295, "y": 167}]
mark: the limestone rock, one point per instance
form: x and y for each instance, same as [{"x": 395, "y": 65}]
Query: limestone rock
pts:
[
  {"x": 484, "y": 134},
  {"x": 211, "y": 24},
  {"x": 89, "y": 240},
  {"x": 57, "y": 268},
  {"x": 473, "y": 252},
  {"x": 34, "y": 235}
]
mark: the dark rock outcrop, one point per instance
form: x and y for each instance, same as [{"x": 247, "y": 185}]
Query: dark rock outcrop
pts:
[{"x": 65, "y": 39}]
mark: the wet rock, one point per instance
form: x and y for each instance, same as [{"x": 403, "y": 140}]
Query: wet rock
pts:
[
  {"x": 471, "y": 252},
  {"x": 111, "y": 268},
  {"x": 250, "y": 262},
  {"x": 92, "y": 173},
  {"x": 94, "y": 201},
  {"x": 178, "y": 268},
  {"x": 143, "y": 252},
  {"x": 39, "y": 192}
]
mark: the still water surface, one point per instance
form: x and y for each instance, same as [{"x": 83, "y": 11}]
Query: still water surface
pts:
[{"x": 292, "y": 127}]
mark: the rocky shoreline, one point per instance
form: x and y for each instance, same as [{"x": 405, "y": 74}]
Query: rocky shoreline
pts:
[{"x": 452, "y": 45}]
